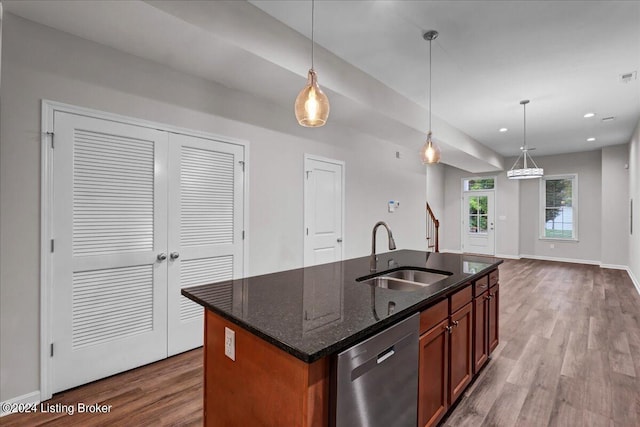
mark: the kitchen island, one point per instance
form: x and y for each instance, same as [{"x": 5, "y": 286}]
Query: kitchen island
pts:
[{"x": 288, "y": 326}]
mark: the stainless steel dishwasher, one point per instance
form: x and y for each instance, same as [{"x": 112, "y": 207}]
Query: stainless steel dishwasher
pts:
[{"x": 376, "y": 381}]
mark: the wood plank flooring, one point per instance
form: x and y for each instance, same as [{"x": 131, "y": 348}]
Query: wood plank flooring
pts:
[
  {"x": 165, "y": 393},
  {"x": 569, "y": 355}
]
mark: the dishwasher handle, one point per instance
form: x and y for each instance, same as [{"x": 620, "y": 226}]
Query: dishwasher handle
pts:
[{"x": 386, "y": 354}]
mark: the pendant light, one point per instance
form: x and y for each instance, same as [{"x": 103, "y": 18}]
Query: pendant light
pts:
[
  {"x": 312, "y": 105},
  {"x": 525, "y": 172},
  {"x": 430, "y": 153}
]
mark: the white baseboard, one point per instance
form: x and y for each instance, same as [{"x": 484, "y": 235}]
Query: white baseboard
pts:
[
  {"x": 571, "y": 260},
  {"x": 614, "y": 266},
  {"x": 634, "y": 279},
  {"x": 451, "y": 251},
  {"x": 29, "y": 398},
  {"x": 507, "y": 256}
]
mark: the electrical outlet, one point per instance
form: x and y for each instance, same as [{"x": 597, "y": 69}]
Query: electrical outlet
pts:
[
  {"x": 230, "y": 343},
  {"x": 552, "y": 246}
]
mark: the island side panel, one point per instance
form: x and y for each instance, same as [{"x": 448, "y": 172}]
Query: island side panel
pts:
[{"x": 264, "y": 386}]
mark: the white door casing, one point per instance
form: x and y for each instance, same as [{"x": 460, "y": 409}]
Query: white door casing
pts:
[
  {"x": 206, "y": 180},
  {"x": 323, "y": 210},
  {"x": 109, "y": 226},
  {"x": 478, "y": 222}
]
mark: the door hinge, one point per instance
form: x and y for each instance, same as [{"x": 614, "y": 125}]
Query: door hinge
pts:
[
  {"x": 51, "y": 350},
  {"x": 242, "y": 234},
  {"x": 308, "y": 172},
  {"x": 52, "y": 245},
  {"x": 51, "y": 134},
  {"x": 307, "y": 231},
  {"x": 241, "y": 164}
]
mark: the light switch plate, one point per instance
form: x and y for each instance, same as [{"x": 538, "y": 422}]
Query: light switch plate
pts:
[{"x": 230, "y": 343}]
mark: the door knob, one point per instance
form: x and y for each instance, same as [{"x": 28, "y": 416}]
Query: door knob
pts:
[
  {"x": 174, "y": 255},
  {"x": 339, "y": 240},
  {"x": 162, "y": 256}
]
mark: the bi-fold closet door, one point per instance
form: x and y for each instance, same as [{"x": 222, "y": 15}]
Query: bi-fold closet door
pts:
[{"x": 137, "y": 214}]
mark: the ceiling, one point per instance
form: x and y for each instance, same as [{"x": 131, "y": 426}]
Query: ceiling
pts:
[{"x": 565, "y": 56}]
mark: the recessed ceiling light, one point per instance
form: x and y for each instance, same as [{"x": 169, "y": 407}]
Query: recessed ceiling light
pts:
[
  {"x": 503, "y": 129},
  {"x": 588, "y": 115},
  {"x": 591, "y": 139}
]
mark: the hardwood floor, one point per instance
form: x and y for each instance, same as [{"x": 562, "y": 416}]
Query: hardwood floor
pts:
[
  {"x": 165, "y": 393},
  {"x": 569, "y": 355}
]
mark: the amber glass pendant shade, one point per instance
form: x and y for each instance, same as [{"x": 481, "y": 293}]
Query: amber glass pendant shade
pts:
[
  {"x": 312, "y": 105},
  {"x": 430, "y": 153}
]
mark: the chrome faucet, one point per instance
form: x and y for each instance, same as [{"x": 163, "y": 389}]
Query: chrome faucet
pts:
[{"x": 392, "y": 243}]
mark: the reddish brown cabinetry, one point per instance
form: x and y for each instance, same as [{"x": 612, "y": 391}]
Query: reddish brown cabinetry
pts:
[
  {"x": 445, "y": 355},
  {"x": 494, "y": 326},
  {"x": 457, "y": 337},
  {"x": 434, "y": 374}
]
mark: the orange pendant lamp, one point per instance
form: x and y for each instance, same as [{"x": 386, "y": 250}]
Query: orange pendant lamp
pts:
[
  {"x": 312, "y": 105},
  {"x": 430, "y": 152}
]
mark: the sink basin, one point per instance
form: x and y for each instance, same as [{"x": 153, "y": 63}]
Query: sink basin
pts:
[
  {"x": 406, "y": 280},
  {"x": 424, "y": 278}
]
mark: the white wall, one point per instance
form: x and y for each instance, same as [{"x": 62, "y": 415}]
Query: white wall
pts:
[
  {"x": 41, "y": 63},
  {"x": 634, "y": 193},
  {"x": 588, "y": 167},
  {"x": 614, "y": 249}
]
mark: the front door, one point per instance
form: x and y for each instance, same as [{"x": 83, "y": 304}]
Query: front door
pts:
[
  {"x": 323, "y": 210},
  {"x": 478, "y": 229}
]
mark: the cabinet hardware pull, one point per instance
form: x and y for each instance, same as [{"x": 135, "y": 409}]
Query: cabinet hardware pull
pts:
[{"x": 455, "y": 323}]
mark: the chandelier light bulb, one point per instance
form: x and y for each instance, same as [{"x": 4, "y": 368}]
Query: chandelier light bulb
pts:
[{"x": 312, "y": 105}]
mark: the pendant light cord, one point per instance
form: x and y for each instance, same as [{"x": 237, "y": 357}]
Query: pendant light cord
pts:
[
  {"x": 524, "y": 139},
  {"x": 312, "y": 21},
  {"x": 430, "y": 95}
]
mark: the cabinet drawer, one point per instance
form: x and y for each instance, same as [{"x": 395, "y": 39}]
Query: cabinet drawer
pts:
[
  {"x": 461, "y": 298},
  {"x": 493, "y": 277},
  {"x": 433, "y": 315},
  {"x": 480, "y": 285}
]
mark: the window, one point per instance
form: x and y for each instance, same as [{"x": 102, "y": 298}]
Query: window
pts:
[
  {"x": 478, "y": 214},
  {"x": 559, "y": 201},
  {"x": 478, "y": 184}
]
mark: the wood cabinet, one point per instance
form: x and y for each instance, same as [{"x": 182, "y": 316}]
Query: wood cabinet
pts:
[
  {"x": 494, "y": 324},
  {"x": 446, "y": 366},
  {"x": 461, "y": 367},
  {"x": 433, "y": 384},
  {"x": 480, "y": 323},
  {"x": 480, "y": 330},
  {"x": 457, "y": 337},
  {"x": 264, "y": 385}
]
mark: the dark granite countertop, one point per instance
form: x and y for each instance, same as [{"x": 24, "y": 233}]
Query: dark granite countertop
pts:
[{"x": 321, "y": 310}]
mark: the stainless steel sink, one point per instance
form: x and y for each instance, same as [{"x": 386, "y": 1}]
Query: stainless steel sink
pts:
[
  {"x": 406, "y": 280},
  {"x": 423, "y": 277}
]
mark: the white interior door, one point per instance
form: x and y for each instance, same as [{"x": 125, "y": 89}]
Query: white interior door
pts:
[
  {"x": 206, "y": 181},
  {"x": 109, "y": 290},
  {"x": 323, "y": 210},
  {"x": 478, "y": 230}
]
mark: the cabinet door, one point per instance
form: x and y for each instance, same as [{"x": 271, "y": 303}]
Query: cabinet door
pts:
[
  {"x": 480, "y": 330},
  {"x": 460, "y": 350},
  {"x": 433, "y": 375},
  {"x": 494, "y": 307}
]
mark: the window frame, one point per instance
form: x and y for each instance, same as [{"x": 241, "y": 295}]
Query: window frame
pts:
[
  {"x": 543, "y": 206},
  {"x": 495, "y": 183}
]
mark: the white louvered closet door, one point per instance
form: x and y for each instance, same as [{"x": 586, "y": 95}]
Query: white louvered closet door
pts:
[
  {"x": 206, "y": 182},
  {"x": 109, "y": 292}
]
